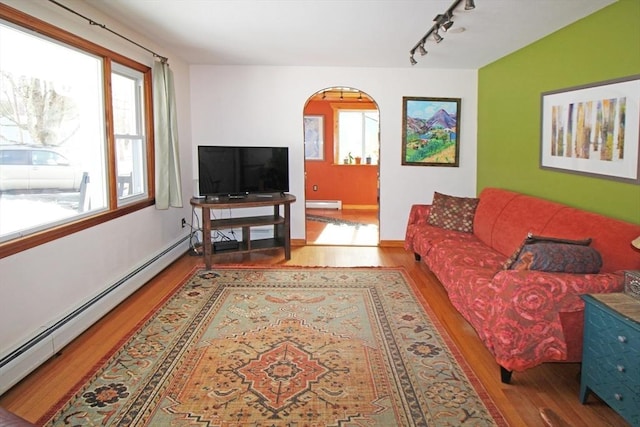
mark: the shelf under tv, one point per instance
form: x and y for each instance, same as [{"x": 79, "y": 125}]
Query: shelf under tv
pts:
[{"x": 281, "y": 224}]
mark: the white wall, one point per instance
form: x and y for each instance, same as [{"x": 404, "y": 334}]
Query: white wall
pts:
[
  {"x": 41, "y": 285},
  {"x": 264, "y": 106}
]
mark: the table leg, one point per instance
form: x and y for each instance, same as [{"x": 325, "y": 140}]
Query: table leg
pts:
[{"x": 206, "y": 236}]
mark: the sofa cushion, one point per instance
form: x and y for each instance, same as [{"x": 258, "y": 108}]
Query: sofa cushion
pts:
[
  {"x": 559, "y": 258},
  {"x": 503, "y": 217},
  {"x": 453, "y": 213}
]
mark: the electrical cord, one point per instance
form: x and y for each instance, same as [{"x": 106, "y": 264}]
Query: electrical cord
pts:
[{"x": 195, "y": 246}]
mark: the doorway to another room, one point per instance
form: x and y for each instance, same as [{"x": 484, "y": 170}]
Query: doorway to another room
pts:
[{"x": 342, "y": 146}]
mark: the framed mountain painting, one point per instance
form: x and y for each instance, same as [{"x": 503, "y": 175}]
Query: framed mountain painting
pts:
[{"x": 430, "y": 131}]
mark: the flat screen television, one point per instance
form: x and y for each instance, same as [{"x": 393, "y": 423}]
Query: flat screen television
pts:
[{"x": 240, "y": 171}]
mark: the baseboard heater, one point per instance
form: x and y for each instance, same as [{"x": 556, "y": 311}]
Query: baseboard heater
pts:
[
  {"x": 18, "y": 363},
  {"x": 324, "y": 204}
]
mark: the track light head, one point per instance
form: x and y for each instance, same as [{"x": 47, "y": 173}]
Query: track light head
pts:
[
  {"x": 422, "y": 50},
  {"x": 412, "y": 60},
  {"x": 469, "y": 5},
  {"x": 437, "y": 37},
  {"x": 444, "y": 21},
  {"x": 446, "y": 25}
]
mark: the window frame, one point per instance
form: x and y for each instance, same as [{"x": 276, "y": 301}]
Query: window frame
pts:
[{"x": 30, "y": 23}]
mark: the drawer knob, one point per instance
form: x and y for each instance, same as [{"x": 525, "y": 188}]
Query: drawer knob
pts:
[
  {"x": 618, "y": 396},
  {"x": 622, "y": 338},
  {"x": 620, "y": 368}
]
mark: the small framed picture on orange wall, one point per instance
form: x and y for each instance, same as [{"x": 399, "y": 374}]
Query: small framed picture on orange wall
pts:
[{"x": 314, "y": 137}]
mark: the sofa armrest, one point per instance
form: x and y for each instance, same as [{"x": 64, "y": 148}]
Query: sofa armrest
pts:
[
  {"x": 524, "y": 326},
  {"x": 419, "y": 214}
]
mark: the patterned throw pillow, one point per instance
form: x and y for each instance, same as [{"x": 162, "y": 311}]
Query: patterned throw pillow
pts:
[
  {"x": 558, "y": 258},
  {"x": 453, "y": 213},
  {"x": 531, "y": 238},
  {"x": 554, "y": 254}
]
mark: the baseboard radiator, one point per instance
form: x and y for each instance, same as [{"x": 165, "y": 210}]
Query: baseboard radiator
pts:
[
  {"x": 324, "y": 204},
  {"x": 19, "y": 362}
]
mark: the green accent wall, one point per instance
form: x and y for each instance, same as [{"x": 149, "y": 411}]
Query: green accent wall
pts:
[{"x": 600, "y": 47}]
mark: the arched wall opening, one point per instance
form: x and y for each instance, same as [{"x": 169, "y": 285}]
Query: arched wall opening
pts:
[{"x": 342, "y": 149}]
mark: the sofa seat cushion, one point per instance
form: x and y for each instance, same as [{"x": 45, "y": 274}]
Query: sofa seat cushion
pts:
[
  {"x": 423, "y": 237},
  {"x": 466, "y": 270}
]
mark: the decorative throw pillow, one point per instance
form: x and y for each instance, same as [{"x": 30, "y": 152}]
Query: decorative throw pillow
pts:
[
  {"x": 558, "y": 257},
  {"x": 453, "y": 213},
  {"x": 531, "y": 238}
]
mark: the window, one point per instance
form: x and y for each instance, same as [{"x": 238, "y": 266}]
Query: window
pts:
[
  {"x": 128, "y": 126},
  {"x": 74, "y": 133},
  {"x": 358, "y": 135}
]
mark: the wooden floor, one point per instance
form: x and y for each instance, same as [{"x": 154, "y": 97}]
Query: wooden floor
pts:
[
  {"x": 551, "y": 387},
  {"x": 353, "y": 227}
]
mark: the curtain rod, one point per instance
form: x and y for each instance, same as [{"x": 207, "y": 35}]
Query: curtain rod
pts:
[{"x": 164, "y": 59}]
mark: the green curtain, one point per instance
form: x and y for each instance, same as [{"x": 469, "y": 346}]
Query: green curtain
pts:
[{"x": 167, "y": 158}]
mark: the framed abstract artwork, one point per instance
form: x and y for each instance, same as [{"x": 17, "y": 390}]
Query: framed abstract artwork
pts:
[
  {"x": 430, "y": 131},
  {"x": 314, "y": 137},
  {"x": 593, "y": 130}
]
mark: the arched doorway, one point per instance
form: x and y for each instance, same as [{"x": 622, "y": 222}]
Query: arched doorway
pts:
[{"x": 342, "y": 147}]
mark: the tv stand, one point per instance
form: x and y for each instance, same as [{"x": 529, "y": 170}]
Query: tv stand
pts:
[{"x": 281, "y": 224}]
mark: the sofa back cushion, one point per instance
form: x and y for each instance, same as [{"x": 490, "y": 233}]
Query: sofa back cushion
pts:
[{"x": 503, "y": 219}]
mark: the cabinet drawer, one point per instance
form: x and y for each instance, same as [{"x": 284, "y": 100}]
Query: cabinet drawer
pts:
[
  {"x": 608, "y": 370},
  {"x": 619, "y": 335},
  {"x": 622, "y": 399}
]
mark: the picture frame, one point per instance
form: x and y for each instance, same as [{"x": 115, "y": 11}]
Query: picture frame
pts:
[
  {"x": 431, "y": 131},
  {"x": 593, "y": 130},
  {"x": 314, "y": 137}
]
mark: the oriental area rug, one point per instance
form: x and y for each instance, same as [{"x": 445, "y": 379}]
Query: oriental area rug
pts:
[{"x": 284, "y": 347}]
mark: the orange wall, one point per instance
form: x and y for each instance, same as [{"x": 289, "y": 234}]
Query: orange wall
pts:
[{"x": 353, "y": 184}]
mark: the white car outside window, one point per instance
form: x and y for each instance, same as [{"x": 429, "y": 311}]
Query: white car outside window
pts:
[{"x": 35, "y": 168}]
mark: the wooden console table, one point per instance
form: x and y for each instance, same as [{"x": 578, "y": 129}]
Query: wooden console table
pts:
[{"x": 281, "y": 224}]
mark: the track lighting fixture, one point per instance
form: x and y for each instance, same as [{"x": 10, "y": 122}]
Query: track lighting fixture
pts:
[
  {"x": 442, "y": 23},
  {"x": 446, "y": 22},
  {"x": 445, "y": 27}
]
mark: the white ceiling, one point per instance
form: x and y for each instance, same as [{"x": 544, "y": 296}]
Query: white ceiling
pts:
[{"x": 352, "y": 33}]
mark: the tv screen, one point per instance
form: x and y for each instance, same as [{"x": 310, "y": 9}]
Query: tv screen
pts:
[{"x": 237, "y": 171}]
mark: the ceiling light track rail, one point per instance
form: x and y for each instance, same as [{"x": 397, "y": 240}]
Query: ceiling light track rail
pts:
[
  {"x": 442, "y": 22},
  {"x": 163, "y": 59}
]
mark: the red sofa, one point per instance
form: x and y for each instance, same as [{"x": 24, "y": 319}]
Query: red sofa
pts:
[{"x": 528, "y": 317}]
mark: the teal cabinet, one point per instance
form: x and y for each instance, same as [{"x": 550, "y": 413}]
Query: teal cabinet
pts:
[{"x": 611, "y": 353}]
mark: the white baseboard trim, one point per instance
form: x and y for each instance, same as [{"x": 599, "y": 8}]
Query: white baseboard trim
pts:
[
  {"x": 323, "y": 204},
  {"x": 19, "y": 362}
]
